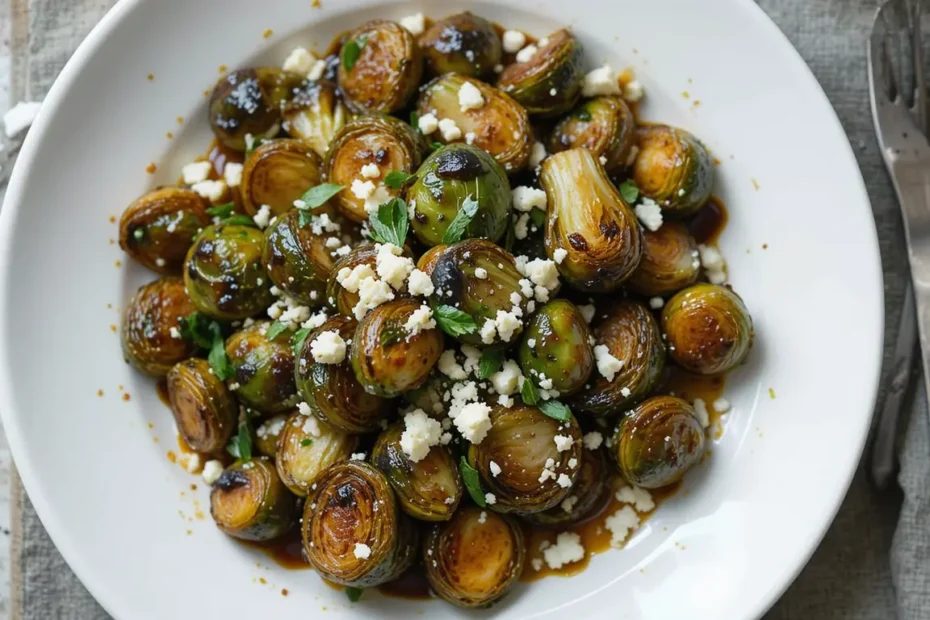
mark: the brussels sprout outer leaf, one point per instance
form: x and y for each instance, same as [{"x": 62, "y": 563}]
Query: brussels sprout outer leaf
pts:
[
  {"x": 556, "y": 410},
  {"x": 462, "y": 219},
  {"x": 629, "y": 191},
  {"x": 454, "y": 322},
  {"x": 396, "y": 179},
  {"x": 354, "y": 594},
  {"x": 390, "y": 224},
  {"x": 472, "y": 482},
  {"x": 491, "y": 361}
]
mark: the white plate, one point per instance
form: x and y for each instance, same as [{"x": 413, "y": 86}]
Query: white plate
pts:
[{"x": 725, "y": 549}]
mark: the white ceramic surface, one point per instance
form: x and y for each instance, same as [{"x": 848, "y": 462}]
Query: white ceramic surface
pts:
[{"x": 725, "y": 549}]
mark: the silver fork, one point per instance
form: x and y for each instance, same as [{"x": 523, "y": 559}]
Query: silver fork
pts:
[{"x": 902, "y": 131}]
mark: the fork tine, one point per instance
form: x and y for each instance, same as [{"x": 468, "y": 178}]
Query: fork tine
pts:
[
  {"x": 920, "y": 80},
  {"x": 881, "y": 69}
]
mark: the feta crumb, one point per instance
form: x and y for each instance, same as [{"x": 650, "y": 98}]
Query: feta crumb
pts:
[
  {"x": 415, "y": 24},
  {"x": 370, "y": 171},
  {"x": 418, "y": 283},
  {"x": 507, "y": 323},
  {"x": 656, "y": 303},
  {"x": 371, "y": 294},
  {"x": 474, "y": 421},
  {"x": 232, "y": 173},
  {"x": 633, "y": 91},
  {"x": 588, "y": 312},
  {"x": 421, "y": 433},
  {"x": 649, "y": 213},
  {"x": 317, "y": 70},
  {"x": 507, "y": 380},
  {"x": 593, "y": 440},
  {"x": 392, "y": 266},
  {"x": 700, "y": 411},
  {"x": 713, "y": 263},
  {"x": 559, "y": 255},
  {"x": 310, "y": 426},
  {"x": 470, "y": 137},
  {"x": 196, "y": 172},
  {"x": 449, "y": 129},
  {"x": 566, "y": 550},
  {"x": 490, "y": 499},
  {"x": 328, "y": 348},
  {"x": 363, "y": 190},
  {"x": 483, "y": 517},
  {"x": 537, "y": 564},
  {"x": 620, "y": 523},
  {"x": 521, "y": 226},
  {"x": 362, "y": 551},
  {"x": 211, "y": 190},
  {"x": 607, "y": 364},
  {"x": 488, "y": 331},
  {"x": 263, "y": 217},
  {"x": 527, "y": 198},
  {"x": 450, "y": 367},
  {"x": 564, "y": 481},
  {"x": 421, "y": 319},
  {"x": 568, "y": 504},
  {"x": 600, "y": 81},
  {"x": 572, "y": 463},
  {"x": 526, "y": 54},
  {"x": 640, "y": 498},
  {"x": 428, "y": 123},
  {"x": 211, "y": 471},
  {"x": 721, "y": 405},
  {"x": 625, "y": 392},
  {"x": 299, "y": 61},
  {"x": 358, "y": 456},
  {"x": 351, "y": 279},
  {"x": 175, "y": 333},
  {"x": 543, "y": 272},
  {"x": 531, "y": 343},
  {"x": 495, "y": 469},
  {"x": 481, "y": 273},
  {"x": 18, "y": 118},
  {"x": 505, "y": 401},
  {"x": 563, "y": 442},
  {"x": 537, "y": 154},
  {"x": 470, "y": 97},
  {"x": 513, "y": 41}
]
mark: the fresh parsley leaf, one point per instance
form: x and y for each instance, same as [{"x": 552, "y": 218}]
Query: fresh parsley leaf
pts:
[
  {"x": 491, "y": 361},
  {"x": 304, "y": 217},
  {"x": 196, "y": 328},
  {"x": 240, "y": 446},
  {"x": 275, "y": 329},
  {"x": 306, "y": 442},
  {"x": 556, "y": 410},
  {"x": 318, "y": 195},
  {"x": 435, "y": 146},
  {"x": 454, "y": 322},
  {"x": 584, "y": 116},
  {"x": 138, "y": 234},
  {"x": 472, "y": 482},
  {"x": 415, "y": 120},
  {"x": 538, "y": 218},
  {"x": 297, "y": 340},
  {"x": 217, "y": 356},
  {"x": 389, "y": 225},
  {"x": 239, "y": 219},
  {"x": 629, "y": 191},
  {"x": 223, "y": 210},
  {"x": 354, "y": 594},
  {"x": 528, "y": 392},
  {"x": 350, "y": 52},
  {"x": 396, "y": 179},
  {"x": 254, "y": 143},
  {"x": 462, "y": 219}
]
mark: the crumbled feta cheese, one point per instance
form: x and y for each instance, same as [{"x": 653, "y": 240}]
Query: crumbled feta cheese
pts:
[
  {"x": 317, "y": 70},
  {"x": 421, "y": 433},
  {"x": 351, "y": 279},
  {"x": 363, "y": 190},
  {"x": 537, "y": 564},
  {"x": 211, "y": 471},
  {"x": 620, "y": 523},
  {"x": 362, "y": 551},
  {"x": 625, "y": 392},
  {"x": 593, "y": 440},
  {"x": 472, "y": 358},
  {"x": 564, "y": 481},
  {"x": 521, "y": 226},
  {"x": 415, "y": 23},
  {"x": 568, "y": 504},
  {"x": 18, "y": 118},
  {"x": 633, "y": 91},
  {"x": 526, "y": 54},
  {"x": 449, "y": 129},
  {"x": 490, "y": 499},
  {"x": 513, "y": 41},
  {"x": 196, "y": 172},
  {"x": 232, "y": 173},
  {"x": 481, "y": 273},
  {"x": 488, "y": 331},
  {"x": 600, "y": 81},
  {"x": 505, "y": 401},
  {"x": 700, "y": 411},
  {"x": 371, "y": 294},
  {"x": 566, "y": 550},
  {"x": 470, "y": 97},
  {"x": 428, "y": 123},
  {"x": 640, "y": 498},
  {"x": 527, "y": 198},
  {"x": 421, "y": 319},
  {"x": 310, "y": 425},
  {"x": 299, "y": 61},
  {"x": 649, "y": 213},
  {"x": 531, "y": 343},
  {"x": 607, "y": 364},
  {"x": 563, "y": 442},
  {"x": 543, "y": 272},
  {"x": 175, "y": 333},
  {"x": 721, "y": 405},
  {"x": 507, "y": 323},
  {"x": 418, "y": 283},
  {"x": 270, "y": 428},
  {"x": 450, "y": 367},
  {"x": 263, "y": 217},
  {"x": 495, "y": 469},
  {"x": 474, "y": 421},
  {"x": 713, "y": 263},
  {"x": 588, "y": 311},
  {"x": 328, "y": 348},
  {"x": 482, "y": 518},
  {"x": 211, "y": 190},
  {"x": 656, "y": 303},
  {"x": 392, "y": 266},
  {"x": 370, "y": 171},
  {"x": 470, "y": 137},
  {"x": 559, "y": 255},
  {"x": 537, "y": 154},
  {"x": 546, "y": 384}
]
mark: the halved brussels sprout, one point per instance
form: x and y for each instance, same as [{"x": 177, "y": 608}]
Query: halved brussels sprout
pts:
[
  {"x": 387, "y": 358},
  {"x": 264, "y": 368},
  {"x": 500, "y": 126},
  {"x": 429, "y": 489},
  {"x": 428, "y": 259},
  {"x": 353, "y": 531},
  {"x": 158, "y": 228},
  {"x": 381, "y": 67},
  {"x": 555, "y": 344},
  {"x": 223, "y": 272},
  {"x": 204, "y": 410},
  {"x": 297, "y": 260},
  {"x": 150, "y": 315},
  {"x": 306, "y": 447},
  {"x": 535, "y": 474},
  {"x": 589, "y": 219},
  {"x": 248, "y": 102},
  {"x": 331, "y": 390},
  {"x": 266, "y": 434},
  {"x": 674, "y": 169},
  {"x": 708, "y": 329},
  {"x": 277, "y": 173},
  {"x": 497, "y": 290},
  {"x": 451, "y": 177},
  {"x": 656, "y": 443},
  {"x": 549, "y": 83},
  {"x": 670, "y": 262},
  {"x": 631, "y": 334},
  {"x": 315, "y": 115},
  {"x": 603, "y": 125},
  {"x": 249, "y": 501},
  {"x": 385, "y": 141},
  {"x": 588, "y": 496},
  {"x": 463, "y": 43},
  {"x": 474, "y": 559}
]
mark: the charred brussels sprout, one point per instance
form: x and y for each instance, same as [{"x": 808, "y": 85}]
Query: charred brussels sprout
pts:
[
  {"x": 389, "y": 358},
  {"x": 632, "y": 335},
  {"x": 522, "y": 443},
  {"x": 603, "y": 125},
  {"x": 589, "y": 219},
  {"x": 250, "y": 502},
  {"x": 556, "y": 344},
  {"x": 315, "y": 114},
  {"x": 500, "y": 126},
  {"x": 708, "y": 329},
  {"x": 223, "y": 272},
  {"x": 277, "y": 173},
  {"x": 266, "y": 434},
  {"x": 474, "y": 559},
  {"x": 673, "y": 169},
  {"x": 264, "y": 368},
  {"x": 157, "y": 229},
  {"x": 306, "y": 447},
  {"x": 204, "y": 410},
  {"x": 451, "y": 179},
  {"x": 297, "y": 260},
  {"x": 670, "y": 262},
  {"x": 549, "y": 83},
  {"x": 587, "y": 497},
  {"x": 457, "y": 284},
  {"x": 429, "y": 489},
  {"x": 385, "y": 141},
  {"x": 249, "y": 102},
  {"x": 331, "y": 390},
  {"x": 353, "y": 506},
  {"x": 656, "y": 443},
  {"x": 381, "y": 67},
  {"x": 462, "y": 43},
  {"x": 147, "y": 342}
]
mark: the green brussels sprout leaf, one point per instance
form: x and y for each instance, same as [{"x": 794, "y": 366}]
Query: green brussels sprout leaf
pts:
[
  {"x": 224, "y": 210},
  {"x": 238, "y": 219},
  {"x": 318, "y": 195},
  {"x": 240, "y": 446},
  {"x": 350, "y": 52},
  {"x": 491, "y": 361},
  {"x": 472, "y": 482},
  {"x": 629, "y": 191},
  {"x": 454, "y": 322},
  {"x": 462, "y": 219},
  {"x": 528, "y": 392},
  {"x": 538, "y": 217},
  {"x": 297, "y": 340},
  {"x": 396, "y": 179},
  {"x": 354, "y": 594},
  {"x": 556, "y": 410},
  {"x": 306, "y": 442},
  {"x": 390, "y": 223},
  {"x": 276, "y": 329}
]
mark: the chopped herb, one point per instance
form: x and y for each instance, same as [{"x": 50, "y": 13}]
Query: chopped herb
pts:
[
  {"x": 297, "y": 340},
  {"x": 306, "y": 442},
  {"x": 396, "y": 179},
  {"x": 436, "y": 146},
  {"x": 198, "y": 329},
  {"x": 254, "y": 144},
  {"x": 556, "y": 410},
  {"x": 138, "y": 234},
  {"x": 318, "y": 195},
  {"x": 491, "y": 361},
  {"x": 350, "y": 52},
  {"x": 304, "y": 218},
  {"x": 276, "y": 329},
  {"x": 454, "y": 322},
  {"x": 629, "y": 191},
  {"x": 584, "y": 115},
  {"x": 472, "y": 482},
  {"x": 528, "y": 392},
  {"x": 354, "y": 594},
  {"x": 224, "y": 210},
  {"x": 415, "y": 120},
  {"x": 462, "y": 219},
  {"x": 217, "y": 356},
  {"x": 389, "y": 225},
  {"x": 538, "y": 217},
  {"x": 239, "y": 220},
  {"x": 240, "y": 446}
]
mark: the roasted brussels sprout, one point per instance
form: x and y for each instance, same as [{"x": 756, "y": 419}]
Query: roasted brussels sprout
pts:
[
  {"x": 385, "y": 141},
  {"x": 223, "y": 272},
  {"x": 603, "y": 125},
  {"x": 277, "y": 173},
  {"x": 150, "y": 315},
  {"x": 674, "y": 169},
  {"x": 588, "y": 496},
  {"x": 656, "y": 443},
  {"x": 533, "y": 452},
  {"x": 549, "y": 83},
  {"x": 205, "y": 412},
  {"x": 500, "y": 126},
  {"x": 331, "y": 390},
  {"x": 428, "y": 396},
  {"x": 266, "y": 434},
  {"x": 429, "y": 489},
  {"x": 381, "y": 67},
  {"x": 250, "y": 502},
  {"x": 264, "y": 368},
  {"x": 474, "y": 559},
  {"x": 588, "y": 219},
  {"x": 631, "y": 334},
  {"x": 497, "y": 289},
  {"x": 353, "y": 531},
  {"x": 297, "y": 260},
  {"x": 451, "y": 179},
  {"x": 463, "y": 43},
  {"x": 388, "y": 357},
  {"x": 306, "y": 447},
  {"x": 157, "y": 229},
  {"x": 670, "y": 262},
  {"x": 556, "y": 345},
  {"x": 248, "y": 102},
  {"x": 708, "y": 329},
  {"x": 315, "y": 115}
]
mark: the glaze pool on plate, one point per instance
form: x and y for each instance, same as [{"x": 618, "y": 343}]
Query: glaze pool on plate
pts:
[{"x": 739, "y": 541}]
